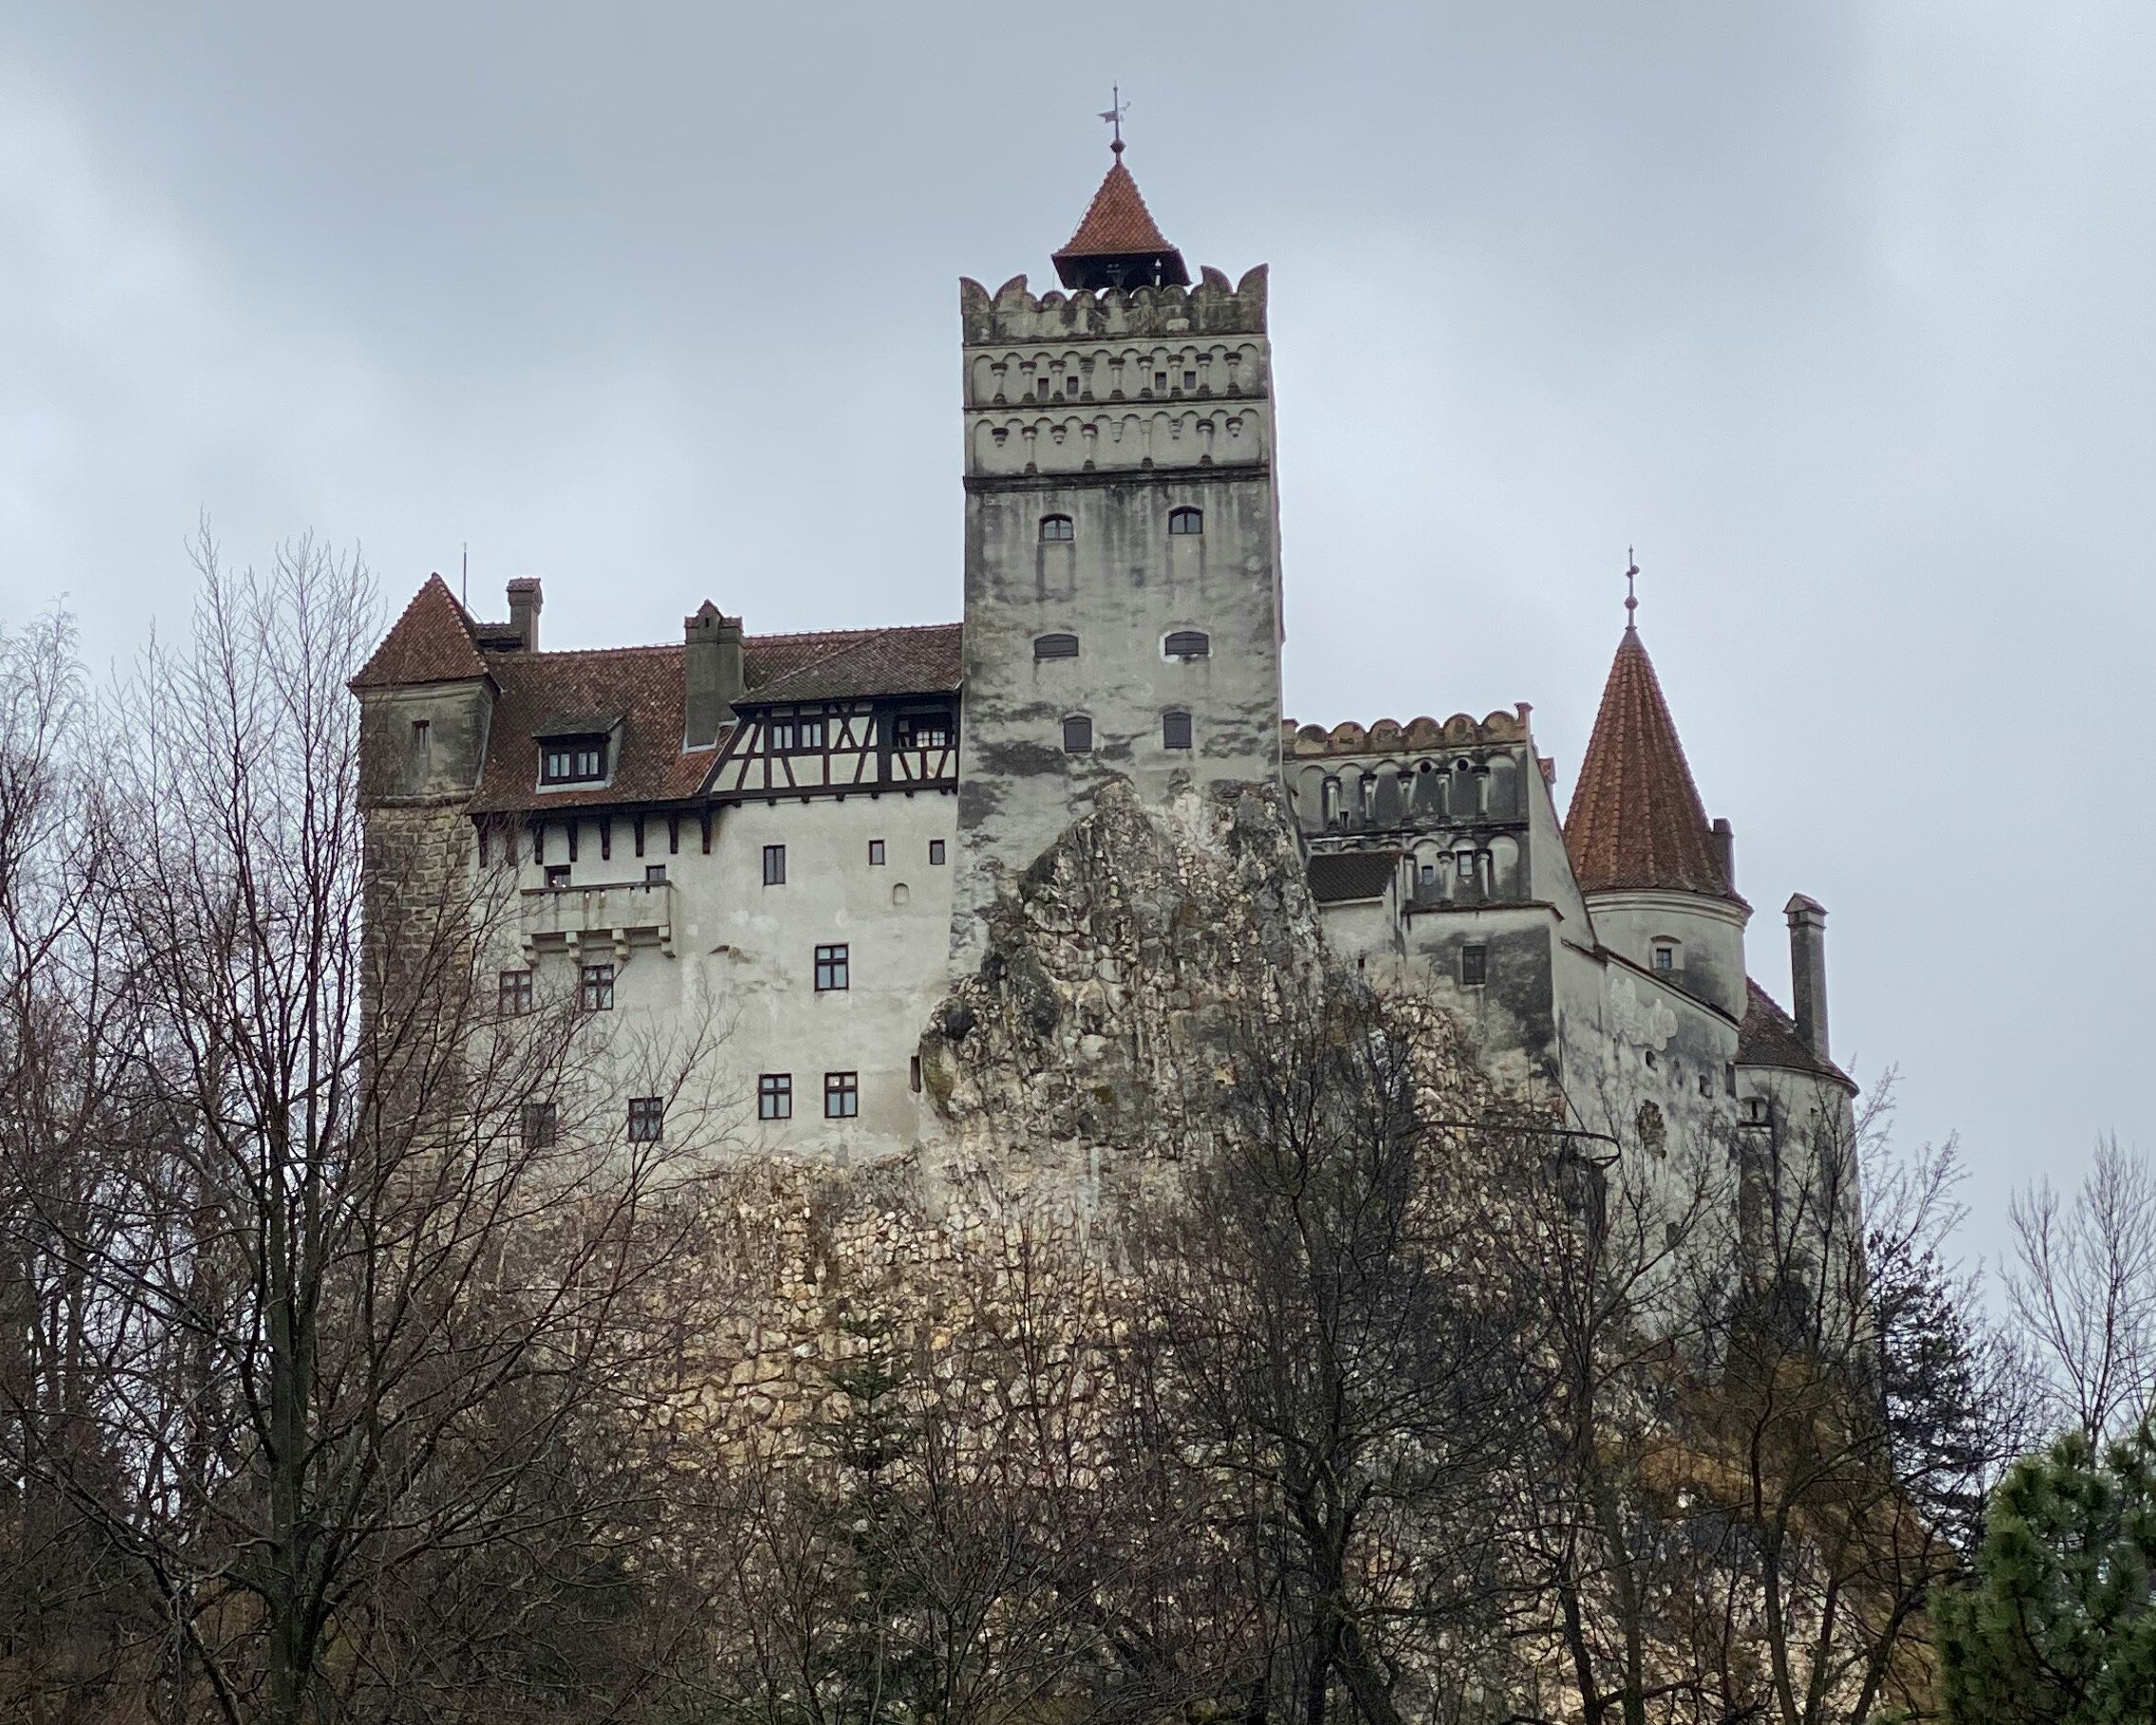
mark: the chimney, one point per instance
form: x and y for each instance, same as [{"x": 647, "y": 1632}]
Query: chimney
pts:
[
  {"x": 1807, "y": 971},
  {"x": 711, "y": 674},
  {"x": 524, "y": 604},
  {"x": 1725, "y": 853}
]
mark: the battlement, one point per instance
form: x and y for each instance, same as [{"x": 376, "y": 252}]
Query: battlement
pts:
[
  {"x": 1389, "y": 736},
  {"x": 1211, "y": 307}
]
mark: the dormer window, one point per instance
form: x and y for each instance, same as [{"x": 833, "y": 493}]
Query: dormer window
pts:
[
  {"x": 572, "y": 761},
  {"x": 1185, "y": 520},
  {"x": 1187, "y": 645},
  {"x": 1057, "y": 526}
]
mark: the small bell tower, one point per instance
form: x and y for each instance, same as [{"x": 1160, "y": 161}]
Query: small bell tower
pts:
[{"x": 1123, "y": 570}]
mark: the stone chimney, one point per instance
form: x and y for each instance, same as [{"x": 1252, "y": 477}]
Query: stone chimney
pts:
[
  {"x": 523, "y": 602},
  {"x": 1725, "y": 851},
  {"x": 711, "y": 674},
  {"x": 1807, "y": 971}
]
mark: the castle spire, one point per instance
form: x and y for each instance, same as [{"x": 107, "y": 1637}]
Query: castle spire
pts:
[
  {"x": 1118, "y": 244},
  {"x": 1636, "y": 821}
]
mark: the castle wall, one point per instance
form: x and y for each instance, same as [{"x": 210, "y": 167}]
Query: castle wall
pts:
[{"x": 713, "y": 954}]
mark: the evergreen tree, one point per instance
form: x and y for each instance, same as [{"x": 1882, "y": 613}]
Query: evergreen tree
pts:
[{"x": 2057, "y": 1623}]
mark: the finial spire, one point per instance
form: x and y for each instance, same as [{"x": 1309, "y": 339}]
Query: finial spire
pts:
[
  {"x": 1631, "y": 598},
  {"x": 1116, "y": 110}
]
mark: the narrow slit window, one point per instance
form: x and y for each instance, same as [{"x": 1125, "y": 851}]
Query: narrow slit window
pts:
[
  {"x": 1185, "y": 520},
  {"x": 1175, "y": 730},
  {"x": 1078, "y": 734},
  {"x": 774, "y": 865},
  {"x": 876, "y": 852},
  {"x": 1474, "y": 965}
]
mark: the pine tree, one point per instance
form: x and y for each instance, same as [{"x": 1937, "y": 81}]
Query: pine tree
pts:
[{"x": 2057, "y": 1623}]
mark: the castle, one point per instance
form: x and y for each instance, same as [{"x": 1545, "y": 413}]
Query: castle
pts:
[{"x": 800, "y": 833}]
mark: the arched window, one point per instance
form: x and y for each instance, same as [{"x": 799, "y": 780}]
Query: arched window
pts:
[
  {"x": 1055, "y": 647},
  {"x": 1187, "y": 645},
  {"x": 1057, "y": 526},
  {"x": 1187, "y": 520},
  {"x": 1078, "y": 734},
  {"x": 1175, "y": 730}
]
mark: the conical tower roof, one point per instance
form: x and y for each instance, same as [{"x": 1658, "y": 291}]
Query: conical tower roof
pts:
[
  {"x": 1636, "y": 821},
  {"x": 1118, "y": 243}
]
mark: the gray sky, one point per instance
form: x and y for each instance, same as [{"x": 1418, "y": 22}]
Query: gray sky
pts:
[{"x": 1839, "y": 313}]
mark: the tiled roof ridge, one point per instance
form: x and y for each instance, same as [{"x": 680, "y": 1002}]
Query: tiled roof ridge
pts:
[
  {"x": 1116, "y": 221},
  {"x": 1636, "y": 820}
]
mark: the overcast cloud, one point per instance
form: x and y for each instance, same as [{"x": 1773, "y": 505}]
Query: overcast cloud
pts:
[{"x": 1839, "y": 313}]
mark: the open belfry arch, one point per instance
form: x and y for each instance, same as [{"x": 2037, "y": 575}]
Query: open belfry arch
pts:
[{"x": 810, "y": 835}]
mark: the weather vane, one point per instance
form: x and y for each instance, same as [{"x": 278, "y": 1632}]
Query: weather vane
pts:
[
  {"x": 1631, "y": 574},
  {"x": 1117, "y": 108}
]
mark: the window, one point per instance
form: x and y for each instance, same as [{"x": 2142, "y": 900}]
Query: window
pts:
[
  {"x": 779, "y": 735},
  {"x": 1070, "y": 386},
  {"x": 774, "y": 865},
  {"x": 1653, "y": 1134},
  {"x": 1057, "y": 526},
  {"x": 811, "y": 734},
  {"x": 513, "y": 993},
  {"x": 830, "y": 968},
  {"x": 1181, "y": 522},
  {"x": 419, "y": 743},
  {"x": 1756, "y": 1110},
  {"x": 1474, "y": 965},
  {"x": 1187, "y": 645},
  {"x": 1191, "y": 380},
  {"x": 1055, "y": 646},
  {"x": 557, "y": 874},
  {"x": 1078, "y": 734},
  {"x": 914, "y": 1074},
  {"x": 876, "y": 852},
  {"x": 936, "y": 852},
  {"x": 597, "y": 993},
  {"x": 923, "y": 731},
  {"x": 1175, "y": 730},
  {"x": 1666, "y": 955},
  {"x": 537, "y": 1124},
  {"x": 1160, "y": 381},
  {"x": 1429, "y": 874},
  {"x": 1464, "y": 862},
  {"x": 646, "y": 1119},
  {"x": 841, "y": 1095},
  {"x": 774, "y": 1096},
  {"x": 571, "y": 760},
  {"x": 654, "y": 874}
]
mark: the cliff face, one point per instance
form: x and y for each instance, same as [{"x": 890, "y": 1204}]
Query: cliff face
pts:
[{"x": 1083, "y": 1053}]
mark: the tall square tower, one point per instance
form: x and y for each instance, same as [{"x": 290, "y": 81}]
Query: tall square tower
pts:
[{"x": 1123, "y": 571}]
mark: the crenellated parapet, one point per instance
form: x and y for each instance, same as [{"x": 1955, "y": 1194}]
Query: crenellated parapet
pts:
[
  {"x": 1389, "y": 736},
  {"x": 1210, "y": 307}
]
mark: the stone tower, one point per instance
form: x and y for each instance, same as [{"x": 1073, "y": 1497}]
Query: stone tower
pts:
[{"x": 1123, "y": 571}]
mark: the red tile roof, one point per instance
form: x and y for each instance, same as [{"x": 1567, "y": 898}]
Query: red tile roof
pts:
[
  {"x": 1117, "y": 221},
  {"x": 1768, "y": 1037},
  {"x": 1636, "y": 819},
  {"x": 642, "y": 687},
  {"x": 430, "y": 642}
]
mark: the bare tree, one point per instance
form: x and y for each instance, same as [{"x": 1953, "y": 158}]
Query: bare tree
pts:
[
  {"x": 357, "y": 1315},
  {"x": 2083, "y": 1288},
  {"x": 1343, "y": 1356}
]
